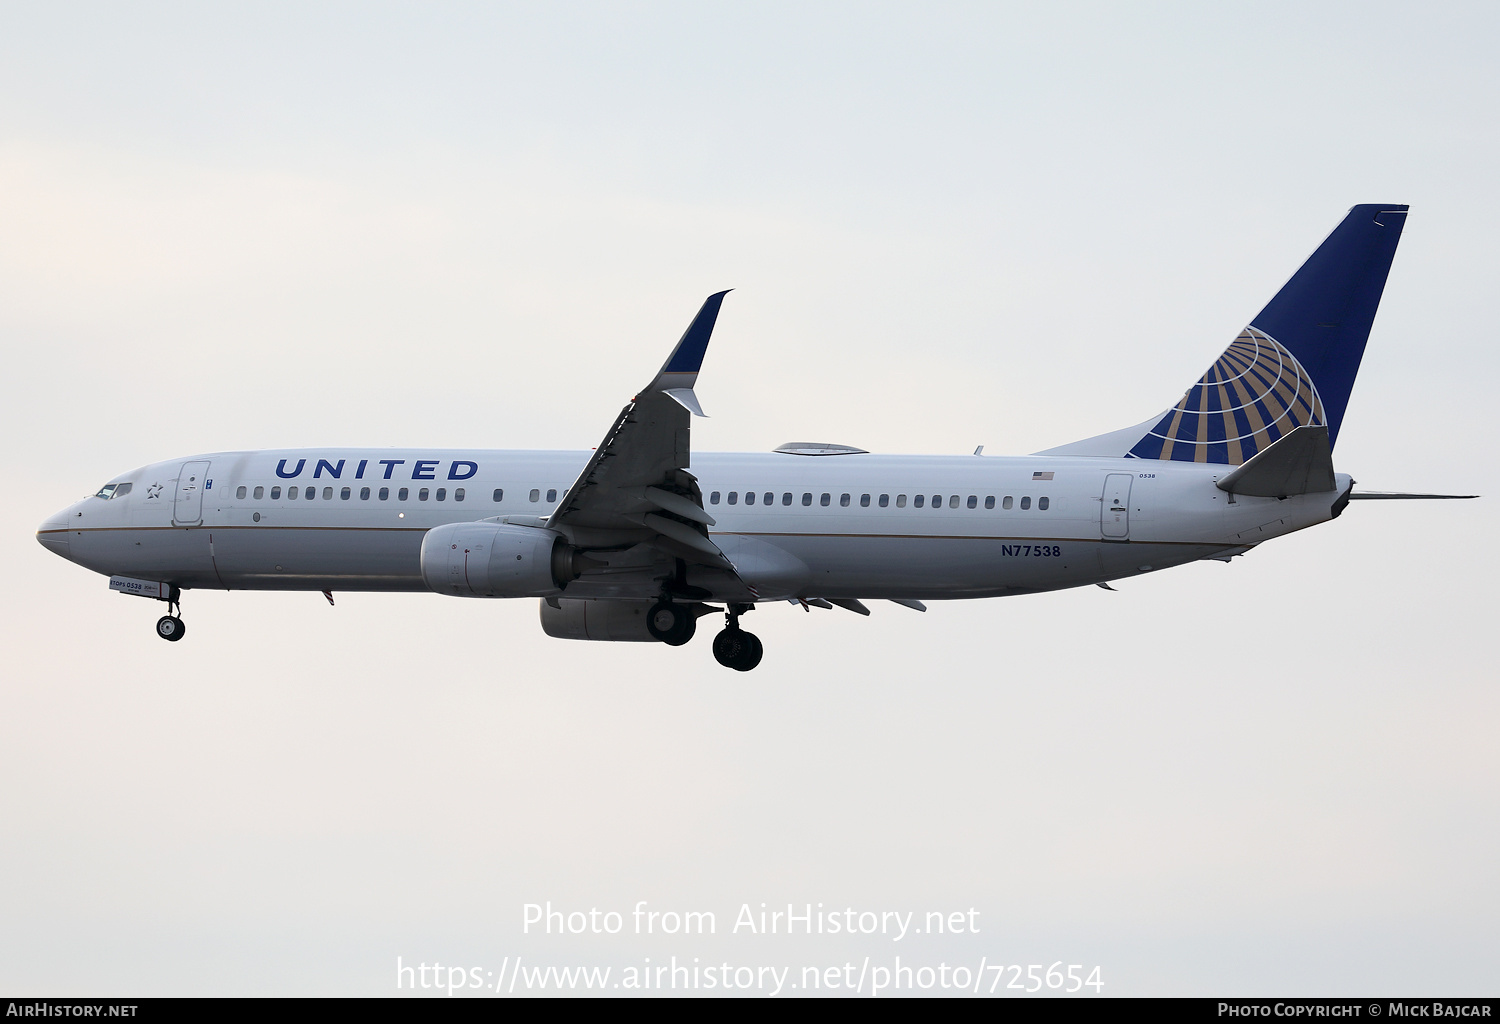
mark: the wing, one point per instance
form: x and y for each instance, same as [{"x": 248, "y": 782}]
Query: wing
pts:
[{"x": 637, "y": 491}]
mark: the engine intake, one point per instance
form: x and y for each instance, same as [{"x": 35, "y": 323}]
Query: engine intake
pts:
[{"x": 497, "y": 560}]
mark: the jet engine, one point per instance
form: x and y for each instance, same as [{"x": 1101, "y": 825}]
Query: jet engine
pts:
[
  {"x": 496, "y": 560},
  {"x": 571, "y": 619}
]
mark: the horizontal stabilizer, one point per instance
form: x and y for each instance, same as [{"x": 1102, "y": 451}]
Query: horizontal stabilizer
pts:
[
  {"x": 1301, "y": 462},
  {"x": 1394, "y": 496}
]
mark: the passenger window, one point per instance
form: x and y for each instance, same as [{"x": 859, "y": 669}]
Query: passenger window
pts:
[
  {"x": 364, "y": 494},
  {"x": 458, "y": 494},
  {"x": 239, "y": 492},
  {"x": 291, "y": 494},
  {"x": 843, "y": 501},
  {"x": 973, "y": 501},
  {"x": 885, "y": 499},
  {"x": 536, "y": 495},
  {"x": 953, "y": 501},
  {"x": 749, "y": 497},
  {"x": 1008, "y": 502},
  {"x": 989, "y": 501},
  {"x": 937, "y": 501},
  {"x": 786, "y": 499},
  {"x": 1025, "y": 503},
  {"x": 276, "y": 494},
  {"x": 918, "y": 501},
  {"x": 1042, "y": 503},
  {"x": 825, "y": 499},
  {"x": 260, "y": 492},
  {"x": 343, "y": 493},
  {"x": 734, "y": 497},
  {"x": 864, "y": 501},
  {"x": 497, "y": 498},
  {"x": 768, "y": 498},
  {"x": 328, "y": 493},
  {"x": 900, "y": 501},
  {"x": 713, "y": 499},
  {"x": 552, "y": 494},
  {"x": 384, "y": 494},
  {"x": 422, "y": 494},
  {"x": 806, "y": 498},
  {"x": 402, "y": 494},
  {"x": 442, "y": 494}
]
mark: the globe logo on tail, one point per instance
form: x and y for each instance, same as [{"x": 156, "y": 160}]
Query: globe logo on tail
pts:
[{"x": 1253, "y": 395}]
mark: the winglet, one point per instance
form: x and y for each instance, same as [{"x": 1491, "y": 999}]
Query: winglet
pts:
[{"x": 680, "y": 371}]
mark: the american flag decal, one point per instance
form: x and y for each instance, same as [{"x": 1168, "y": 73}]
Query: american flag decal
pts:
[{"x": 1041, "y": 476}]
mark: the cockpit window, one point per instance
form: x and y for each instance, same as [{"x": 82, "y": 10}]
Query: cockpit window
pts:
[{"x": 109, "y": 491}]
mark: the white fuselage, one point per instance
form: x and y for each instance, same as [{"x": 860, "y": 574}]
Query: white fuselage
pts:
[{"x": 844, "y": 526}]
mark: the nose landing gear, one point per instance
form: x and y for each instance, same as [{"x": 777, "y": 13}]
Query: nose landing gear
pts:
[
  {"x": 170, "y": 626},
  {"x": 734, "y": 647}
]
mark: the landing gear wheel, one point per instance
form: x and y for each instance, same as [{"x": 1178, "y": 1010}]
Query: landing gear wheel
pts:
[
  {"x": 671, "y": 623},
  {"x": 170, "y": 627},
  {"x": 734, "y": 648}
]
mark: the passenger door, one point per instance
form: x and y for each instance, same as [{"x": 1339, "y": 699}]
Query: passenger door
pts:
[
  {"x": 187, "y": 510},
  {"x": 1114, "y": 509}
]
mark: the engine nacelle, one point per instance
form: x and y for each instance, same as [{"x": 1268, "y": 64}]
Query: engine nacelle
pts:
[
  {"x": 496, "y": 560},
  {"x": 574, "y": 619}
]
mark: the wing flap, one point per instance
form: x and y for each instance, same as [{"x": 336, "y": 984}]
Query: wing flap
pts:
[{"x": 637, "y": 484}]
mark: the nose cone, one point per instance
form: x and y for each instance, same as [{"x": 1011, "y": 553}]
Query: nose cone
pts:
[{"x": 53, "y": 535}]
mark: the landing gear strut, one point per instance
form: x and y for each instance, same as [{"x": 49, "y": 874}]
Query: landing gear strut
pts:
[
  {"x": 170, "y": 626},
  {"x": 671, "y": 623},
  {"x": 734, "y": 647}
]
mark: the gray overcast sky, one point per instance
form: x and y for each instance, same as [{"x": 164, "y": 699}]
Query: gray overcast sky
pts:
[{"x": 947, "y": 224}]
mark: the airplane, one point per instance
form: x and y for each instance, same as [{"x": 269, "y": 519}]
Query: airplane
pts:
[{"x": 640, "y": 537}]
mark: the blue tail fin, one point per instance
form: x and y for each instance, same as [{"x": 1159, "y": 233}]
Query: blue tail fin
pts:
[{"x": 1295, "y": 364}]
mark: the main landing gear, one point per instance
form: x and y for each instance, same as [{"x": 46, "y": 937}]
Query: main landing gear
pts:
[
  {"x": 675, "y": 624},
  {"x": 170, "y": 626},
  {"x": 734, "y": 647},
  {"x": 671, "y": 623}
]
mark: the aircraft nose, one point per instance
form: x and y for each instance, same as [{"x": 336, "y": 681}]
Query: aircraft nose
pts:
[{"x": 53, "y": 534}]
